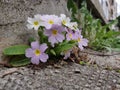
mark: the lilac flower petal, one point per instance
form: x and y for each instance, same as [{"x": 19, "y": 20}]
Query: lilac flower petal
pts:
[
  {"x": 35, "y": 45},
  {"x": 46, "y": 25},
  {"x": 60, "y": 37},
  {"x": 54, "y": 26},
  {"x": 55, "y": 19},
  {"x": 67, "y": 55},
  {"x": 80, "y": 46},
  {"x": 60, "y": 28},
  {"x": 43, "y": 57},
  {"x": 84, "y": 42},
  {"x": 43, "y": 47},
  {"x": 81, "y": 36},
  {"x": 29, "y": 53},
  {"x": 68, "y": 37},
  {"x": 52, "y": 40},
  {"x": 35, "y": 60},
  {"x": 73, "y": 36},
  {"x": 78, "y": 35},
  {"x": 47, "y": 32}
]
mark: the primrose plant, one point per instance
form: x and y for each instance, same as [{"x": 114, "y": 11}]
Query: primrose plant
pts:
[{"x": 58, "y": 35}]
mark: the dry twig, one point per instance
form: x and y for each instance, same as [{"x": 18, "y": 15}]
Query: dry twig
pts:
[{"x": 8, "y": 71}]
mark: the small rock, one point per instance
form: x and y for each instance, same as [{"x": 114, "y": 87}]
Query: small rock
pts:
[
  {"x": 57, "y": 71},
  {"x": 49, "y": 66},
  {"x": 87, "y": 85},
  {"x": 114, "y": 80},
  {"x": 97, "y": 88},
  {"x": 118, "y": 81},
  {"x": 118, "y": 86},
  {"x": 85, "y": 89},
  {"x": 76, "y": 86},
  {"x": 98, "y": 84}
]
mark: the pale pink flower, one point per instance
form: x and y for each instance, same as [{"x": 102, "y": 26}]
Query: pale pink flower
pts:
[
  {"x": 55, "y": 34},
  {"x": 66, "y": 53},
  {"x": 81, "y": 41},
  {"x": 70, "y": 35},
  {"x": 49, "y": 20},
  {"x": 37, "y": 52}
]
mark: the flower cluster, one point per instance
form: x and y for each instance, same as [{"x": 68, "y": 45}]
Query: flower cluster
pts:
[{"x": 57, "y": 30}]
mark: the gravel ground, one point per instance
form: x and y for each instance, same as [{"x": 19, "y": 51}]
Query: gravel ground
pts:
[{"x": 68, "y": 77}]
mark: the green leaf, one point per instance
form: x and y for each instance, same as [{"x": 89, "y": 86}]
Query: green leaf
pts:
[
  {"x": 64, "y": 47},
  {"x": 72, "y": 6},
  {"x": 116, "y": 49},
  {"x": 53, "y": 52},
  {"x": 111, "y": 33},
  {"x": 82, "y": 63},
  {"x": 15, "y": 50},
  {"x": 43, "y": 38},
  {"x": 19, "y": 61},
  {"x": 31, "y": 39}
]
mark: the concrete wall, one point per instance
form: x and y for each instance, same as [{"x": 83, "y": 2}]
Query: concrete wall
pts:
[
  {"x": 97, "y": 10},
  {"x": 13, "y": 16},
  {"x": 104, "y": 9},
  {"x": 110, "y": 9}
]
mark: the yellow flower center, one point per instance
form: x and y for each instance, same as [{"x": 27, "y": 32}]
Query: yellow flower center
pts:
[
  {"x": 51, "y": 22},
  {"x": 64, "y": 22},
  {"x": 37, "y": 52},
  {"x": 36, "y": 23},
  {"x": 70, "y": 35},
  {"x": 78, "y": 39},
  {"x": 54, "y": 32}
]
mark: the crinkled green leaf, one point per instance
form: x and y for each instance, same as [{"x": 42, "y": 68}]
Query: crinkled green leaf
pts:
[
  {"x": 20, "y": 61},
  {"x": 15, "y": 50}
]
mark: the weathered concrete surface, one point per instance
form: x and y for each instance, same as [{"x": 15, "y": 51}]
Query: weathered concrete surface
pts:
[
  {"x": 68, "y": 77},
  {"x": 13, "y": 16},
  {"x": 108, "y": 60}
]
